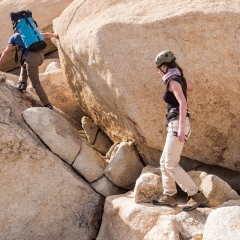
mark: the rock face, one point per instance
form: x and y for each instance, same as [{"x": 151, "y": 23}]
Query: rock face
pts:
[
  {"x": 106, "y": 187},
  {"x": 125, "y": 166},
  {"x": 55, "y": 132},
  {"x": 111, "y": 70},
  {"x": 222, "y": 224},
  {"x": 57, "y": 90},
  {"x": 149, "y": 185},
  {"x": 90, "y": 129},
  {"x": 95, "y": 136},
  {"x": 185, "y": 225},
  {"x": 2, "y": 77},
  {"x": 121, "y": 218},
  {"x": 121, "y": 212},
  {"x": 215, "y": 189},
  {"x": 41, "y": 197},
  {"x": 89, "y": 163},
  {"x": 43, "y": 12}
]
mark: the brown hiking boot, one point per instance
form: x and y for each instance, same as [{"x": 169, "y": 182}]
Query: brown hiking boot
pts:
[
  {"x": 166, "y": 200},
  {"x": 197, "y": 200}
]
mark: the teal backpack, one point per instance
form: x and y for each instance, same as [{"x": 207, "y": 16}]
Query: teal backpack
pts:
[{"x": 27, "y": 27}]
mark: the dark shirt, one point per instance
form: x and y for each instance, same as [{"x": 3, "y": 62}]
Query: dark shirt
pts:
[
  {"x": 170, "y": 99},
  {"x": 16, "y": 39}
]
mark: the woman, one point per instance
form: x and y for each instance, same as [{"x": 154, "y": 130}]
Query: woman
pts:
[{"x": 178, "y": 126}]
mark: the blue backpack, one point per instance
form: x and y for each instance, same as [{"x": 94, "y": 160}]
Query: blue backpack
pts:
[{"x": 27, "y": 27}]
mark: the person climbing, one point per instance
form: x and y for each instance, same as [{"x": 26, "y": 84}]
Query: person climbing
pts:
[
  {"x": 179, "y": 129},
  {"x": 29, "y": 66}
]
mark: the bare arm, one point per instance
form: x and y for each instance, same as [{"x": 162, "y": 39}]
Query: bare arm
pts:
[
  {"x": 49, "y": 35},
  {"x": 176, "y": 88},
  {"x": 5, "y": 53}
]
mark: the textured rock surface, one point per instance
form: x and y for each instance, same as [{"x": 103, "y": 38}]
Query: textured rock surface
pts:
[
  {"x": 107, "y": 188},
  {"x": 40, "y": 196},
  {"x": 185, "y": 225},
  {"x": 111, "y": 70},
  {"x": 89, "y": 163},
  {"x": 149, "y": 185},
  {"x": 58, "y": 134},
  {"x": 48, "y": 62},
  {"x": 121, "y": 218},
  {"x": 214, "y": 188},
  {"x": 58, "y": 91},
  {"x": 125, "y": 166},
  {"x": 90, "y": 129},
  {"x": 43, "y": 12},
  {"x": 102, "y": 143},
  {"x": 223, "y": 224},
  {"x": 3, "y": 77}
]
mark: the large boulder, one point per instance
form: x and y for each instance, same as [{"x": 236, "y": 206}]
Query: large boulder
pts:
[
  {"x": 43, "y": 12},
  {"x": 215, "y": 189},
  {"x": 41, "y": 196},
  {"x": 148, "y": 186},
  {"x": 124, "y": 219},
  {"x": 185, "y": 225},
  {"x": 223, "y": 224},
  {"x": 111, "y": 70},
  {"x": 56, "y": 132},
  {"x": 125, "y": 166}
]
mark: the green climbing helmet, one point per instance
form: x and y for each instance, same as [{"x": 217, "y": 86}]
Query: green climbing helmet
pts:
[{"x": 163, "y": 57}]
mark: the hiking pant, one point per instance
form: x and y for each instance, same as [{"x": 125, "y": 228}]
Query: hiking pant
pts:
[
  {"x": 169, "y": 163},
  {"x": 30, "y": 69}
]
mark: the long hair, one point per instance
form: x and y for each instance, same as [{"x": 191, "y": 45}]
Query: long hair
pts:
[{"x": 173, "y": 64}]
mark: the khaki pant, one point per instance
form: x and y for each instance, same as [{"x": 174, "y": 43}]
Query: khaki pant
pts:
[
  {"x": 30, "y": 69},
  {"x": 169, "y": 163}
]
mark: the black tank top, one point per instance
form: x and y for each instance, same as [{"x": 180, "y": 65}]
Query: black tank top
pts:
[{"x": 170, "y": 98}]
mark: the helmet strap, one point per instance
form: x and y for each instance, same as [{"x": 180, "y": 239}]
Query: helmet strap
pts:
[{"x": 163, "y": 71}]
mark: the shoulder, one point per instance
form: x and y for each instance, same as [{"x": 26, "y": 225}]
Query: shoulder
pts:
[
  {"x": 175, "y": 78},
  {"x": 13, "y": 38}
]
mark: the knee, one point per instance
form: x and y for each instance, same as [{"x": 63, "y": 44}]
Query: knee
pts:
[{"x": 172, "y": 168}]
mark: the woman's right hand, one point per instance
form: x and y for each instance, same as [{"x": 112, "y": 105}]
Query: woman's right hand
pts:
[{"x": 181, "y": 134}]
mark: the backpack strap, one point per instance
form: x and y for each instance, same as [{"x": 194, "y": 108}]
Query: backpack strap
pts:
[
  {"x": 16, "y": 53},
  {"x": 22, "y": 60}
]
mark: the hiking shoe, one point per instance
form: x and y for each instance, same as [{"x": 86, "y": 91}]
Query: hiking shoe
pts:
[
  {"x": 49, "y": 105},
  {"x": 22, "y": 86},
  {"x": 197, "y": 200},
  {"x": 166, "y": 200}
]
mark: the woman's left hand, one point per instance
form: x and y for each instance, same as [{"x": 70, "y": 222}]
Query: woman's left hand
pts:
[{"x": 181, "y": 135}]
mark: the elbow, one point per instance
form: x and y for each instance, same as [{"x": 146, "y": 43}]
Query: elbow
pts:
[{"x": 190, "y": 87}]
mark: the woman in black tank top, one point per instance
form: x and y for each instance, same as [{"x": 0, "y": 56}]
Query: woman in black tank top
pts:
[{"x": 179, "y": 129}]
